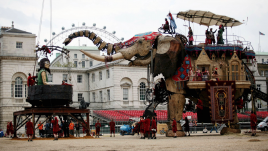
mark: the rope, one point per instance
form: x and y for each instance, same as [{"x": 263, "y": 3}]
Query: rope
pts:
[
  {"x": 50, "y": 20},
  {"x": 40, "y": 22}
]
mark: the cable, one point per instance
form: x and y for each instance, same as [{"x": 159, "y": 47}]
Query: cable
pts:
[
  {"x": 51, "y": 20},
  {"x": 40, "y": 23}
]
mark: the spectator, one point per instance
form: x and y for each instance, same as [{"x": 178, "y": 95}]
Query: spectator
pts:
[
  {"x": 214, "y": 127},
  {"x": 77, "y": 128},
  {"x": 205, "y": 130},
  {"x": 47, "y": 128},
  {"x": 40, "y": 127},
  {"x": 71, "y": 128},
  {"x": 64, "y": 128},
  {"x": 195, "y": 125},
  {"x": 186, "y": 125}
]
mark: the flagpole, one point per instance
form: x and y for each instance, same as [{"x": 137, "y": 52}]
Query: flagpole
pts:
[{"x": 259, "y": 43}]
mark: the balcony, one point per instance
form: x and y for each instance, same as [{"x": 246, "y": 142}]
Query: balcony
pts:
[{"x": 241, "y": 82}]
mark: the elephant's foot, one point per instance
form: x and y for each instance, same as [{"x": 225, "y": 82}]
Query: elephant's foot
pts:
[{"x": 171, "y": 134}]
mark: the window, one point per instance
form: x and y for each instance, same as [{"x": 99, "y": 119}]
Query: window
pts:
[
  {"x": 50, "y": 78},
  {"x": 83, "y": 56},
  {"x": 262, "y": 73},
  {"x": 125, "y": 93},
  {"x": 108, "y": 74},
  {"x": 259, "y": 104},
  {"x": 93, "y": 77},
  {"x": 18, "y": 87},
  {"x": 18, "y": 44},
  {"x": 80, "y": 97},
  {"x": 101, "y": 96},
  {"x": 75, "y": 56},
  {"x": 108, "y": 95},
  {"x": 83, "y": 64},
  {"x": 75, "y": 63},
  {"x": 266, "y": 73},
  {"x": 235, "y": 71},
  {"x": 90, "y": 63},
  {"x": 142, "y": 91},
  {"x": 64, "y": 77},
  {"x": 100, "y": 75},
  {"x": 259, "y": 87},
  {"x": 93, "y": 96},
  {"x": 262, "y": 60},
  {"x": 25, "y": 86},
  {"x": 12, "y": 92},
  {"x": 79, "y": 78}
]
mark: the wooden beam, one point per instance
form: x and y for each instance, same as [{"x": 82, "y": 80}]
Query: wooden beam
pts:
[
  {"x": 82, "y": 123},
  {"x": 45, "y": 120}
]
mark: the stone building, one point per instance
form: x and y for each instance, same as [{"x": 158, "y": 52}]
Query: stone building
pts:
[
  {"x": 106, "y": 86},
  {"x": 17, "y": 59}
]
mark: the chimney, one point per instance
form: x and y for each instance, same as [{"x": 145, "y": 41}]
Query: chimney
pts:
[{"x": 12, "y": 24}]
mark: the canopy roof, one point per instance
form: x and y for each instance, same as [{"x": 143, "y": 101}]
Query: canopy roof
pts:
[{"x": 208, "y": 18}]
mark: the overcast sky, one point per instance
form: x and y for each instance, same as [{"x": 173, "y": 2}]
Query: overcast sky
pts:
[{"x": 130, "y": 17}]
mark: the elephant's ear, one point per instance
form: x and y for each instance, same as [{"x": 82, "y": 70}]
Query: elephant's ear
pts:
[{"x": 168, "y": 63}]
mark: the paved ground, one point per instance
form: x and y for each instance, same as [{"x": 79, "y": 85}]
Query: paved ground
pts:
[{"x": 210, "y": 141}]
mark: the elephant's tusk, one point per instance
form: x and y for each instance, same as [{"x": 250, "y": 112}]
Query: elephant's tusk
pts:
[{"x": 102, "y": 58}]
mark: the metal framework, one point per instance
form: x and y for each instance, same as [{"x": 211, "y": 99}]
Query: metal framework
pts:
[
  {"x": 30, "y": 113},
  {"x": 100, "y": 32}
]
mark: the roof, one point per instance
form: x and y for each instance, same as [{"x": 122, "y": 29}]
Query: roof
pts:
[
  {"x": 81, "y": 47},
  {"x": 15, "y": 30},
  {"x": 261, "y": 53}
]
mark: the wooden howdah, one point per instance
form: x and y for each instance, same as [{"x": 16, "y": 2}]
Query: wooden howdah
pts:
[{"x": 50, "y": 95}]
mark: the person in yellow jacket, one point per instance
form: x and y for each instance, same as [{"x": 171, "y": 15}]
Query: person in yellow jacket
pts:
[{"x": 71, "y": 128}]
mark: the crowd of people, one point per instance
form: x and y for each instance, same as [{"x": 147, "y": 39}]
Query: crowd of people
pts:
[
  {"x": 210, "y": 38},
  {"x": 58, "y": 129},
  {"x": 146, "y": 127}
]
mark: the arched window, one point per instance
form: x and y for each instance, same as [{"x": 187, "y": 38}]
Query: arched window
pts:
[
  {"x": 142, "y": 91},
  {"x": 18, "y": 87}
]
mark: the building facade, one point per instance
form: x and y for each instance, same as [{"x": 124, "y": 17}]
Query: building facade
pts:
[{"x": 17, "y": 59}]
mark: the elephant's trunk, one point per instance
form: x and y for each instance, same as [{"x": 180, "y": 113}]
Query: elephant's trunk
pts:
[
  {"x": 103, "y": 58},
  {"x": 102, "y": 45}
]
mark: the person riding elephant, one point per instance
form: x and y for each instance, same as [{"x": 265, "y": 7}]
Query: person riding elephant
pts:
[
  {"x": 166, "y": 25},
  {"x": 220, "y": 32},
  {"x": 42, "y": 72}
]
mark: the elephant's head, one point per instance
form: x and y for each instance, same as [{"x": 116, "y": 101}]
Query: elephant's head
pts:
[{"x": 168, "y": 52}]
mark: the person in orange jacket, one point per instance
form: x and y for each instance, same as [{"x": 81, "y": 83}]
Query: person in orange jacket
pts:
[
  {"x": 40, "y": 127},
  {"x": 71, "y": 128}
]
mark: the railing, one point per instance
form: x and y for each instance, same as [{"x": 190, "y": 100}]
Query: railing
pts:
[
  {"x": 220, "y": 78},
  {"x": 233, "y": 40}
]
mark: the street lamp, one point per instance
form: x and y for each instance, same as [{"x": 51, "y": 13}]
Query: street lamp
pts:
[
  {"x": 83, "y": 23},
  {"x": 114, "y": 32},
  {"x": 62, "y": 28},
  {"x": 94, "y": 24},
  {"x": 104, "y": 27},
  {"x": 73, "y": 25}
]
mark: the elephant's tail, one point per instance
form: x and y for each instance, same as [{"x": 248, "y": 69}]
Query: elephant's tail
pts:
[{"x": 102, "y": 45}]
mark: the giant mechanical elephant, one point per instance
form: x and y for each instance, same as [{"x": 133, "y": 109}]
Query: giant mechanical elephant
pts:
[{"x": 168, "y": 54}]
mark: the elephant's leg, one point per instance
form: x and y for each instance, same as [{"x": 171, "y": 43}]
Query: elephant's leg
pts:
[{"x": 176, "y": 102}]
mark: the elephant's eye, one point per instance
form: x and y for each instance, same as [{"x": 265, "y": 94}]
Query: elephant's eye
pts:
[{"x": 140, "y": 41}]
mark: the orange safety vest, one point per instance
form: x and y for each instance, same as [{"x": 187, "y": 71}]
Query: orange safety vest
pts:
[{"x": 40, "y": 126}]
